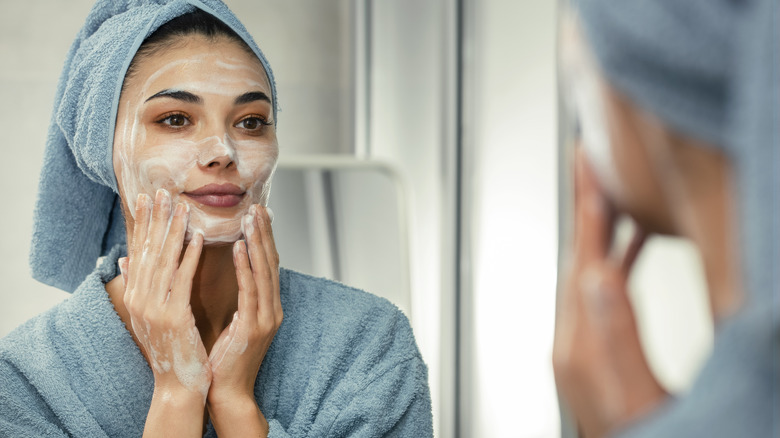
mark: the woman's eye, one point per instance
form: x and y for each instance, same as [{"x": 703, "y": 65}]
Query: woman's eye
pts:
[
  {"x": 252, "y": 123},
  {"x": 175, "y": 120}
]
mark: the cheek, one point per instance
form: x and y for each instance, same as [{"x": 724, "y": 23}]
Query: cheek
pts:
[
  {"x": 166, "y": 166},
  {"x": 256, "y": 163},
  {"x": 152, "y": 168},
  {"x": 639, "y": 193}
]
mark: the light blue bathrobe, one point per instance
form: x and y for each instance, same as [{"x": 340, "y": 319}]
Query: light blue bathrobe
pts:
[{"x": 343, "y": 363}]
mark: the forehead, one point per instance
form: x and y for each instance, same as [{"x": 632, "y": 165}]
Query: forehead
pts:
[{"x": 211, "y": 66}]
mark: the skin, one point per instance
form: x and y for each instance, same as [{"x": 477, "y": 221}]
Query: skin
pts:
[
  {"x": 203, "y": 311},
  {"x": 182, "y": 117},
  {"x": 668, "y": 184}
]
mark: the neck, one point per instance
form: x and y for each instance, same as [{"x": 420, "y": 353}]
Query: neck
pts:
[{"x": 214, "y": 297}]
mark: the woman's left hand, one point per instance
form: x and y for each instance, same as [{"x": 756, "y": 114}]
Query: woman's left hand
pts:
[
  {"x": 600, "y": 368},
  {"x": 238, "y": 353}
]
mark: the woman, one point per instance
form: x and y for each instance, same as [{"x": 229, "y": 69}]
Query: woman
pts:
[
  {"x": 677, "y": 106},
  {"x": 171, "y": 147}
]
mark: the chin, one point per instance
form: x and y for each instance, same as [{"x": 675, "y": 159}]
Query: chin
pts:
[{"x": 216, "y": 235}]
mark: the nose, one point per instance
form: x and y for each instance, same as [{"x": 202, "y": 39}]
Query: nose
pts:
[{"x": 214, "y": 153}]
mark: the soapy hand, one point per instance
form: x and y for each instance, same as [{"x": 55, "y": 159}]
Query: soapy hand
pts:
[
  {"x": 241, "y": 348},
  {"x": 157, "y": 297},
  {"x": 599, "y": 365}
]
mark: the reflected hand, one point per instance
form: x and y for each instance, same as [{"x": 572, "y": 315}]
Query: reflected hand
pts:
[{"x": 600, "y": 368}]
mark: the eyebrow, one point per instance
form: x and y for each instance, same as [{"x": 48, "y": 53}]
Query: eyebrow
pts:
[
  {"x": 188, "y": 97},
  {"x": 184, "y": 96},
  {"x": 252, "y": 96}
]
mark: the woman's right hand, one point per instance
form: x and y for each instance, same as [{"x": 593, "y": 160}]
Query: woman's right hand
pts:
[{"x": 157, "y": 297}]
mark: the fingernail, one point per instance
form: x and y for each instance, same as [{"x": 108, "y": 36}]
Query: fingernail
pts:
[
  {"x": 197, "y": 239},
  {"x": 143, "y": 201},
  {"x": 270, "y": 214},
  {"x": 181, "y": 209},
  {"x": 236, "y": 248},
  {"x": 259, "y": 216},
  {"x": 248, "y": 225}
]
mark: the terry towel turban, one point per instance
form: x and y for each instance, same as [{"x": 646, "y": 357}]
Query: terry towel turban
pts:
[
  {"x": 708, "y": 68},
  {"x": 78, "y": 215}
]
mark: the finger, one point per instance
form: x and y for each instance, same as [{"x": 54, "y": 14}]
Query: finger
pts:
[
  {"x": 247, "y": 290},
  {"x": 171, "y": 252},
  {"x": 123, "y": 264},
  {"x": 632, "y": 251},
  {"x": 616, "y": 324},
  {"x": 594, "y": 219},
  {"x": 158, "y": 227},
  {"x": 261, "y": 270},
  {"x": 181, "y": 288},
  {"x": 271, "y": 254},
  {"x": 222, "y": 346},
  {"x": 266, "y": 231},
  {"x": 143, "y": 210}
]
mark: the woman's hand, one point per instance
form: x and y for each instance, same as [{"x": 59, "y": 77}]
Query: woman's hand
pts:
[
  {"x": 600, "y": 368},
  {"x": 157, "y": 297},
  {"x": 241, "y": 348}
]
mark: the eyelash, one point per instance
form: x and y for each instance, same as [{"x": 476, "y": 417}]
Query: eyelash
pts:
[
  {"x": 261, "y": 120},
  {"x": 167, "y": 116}
]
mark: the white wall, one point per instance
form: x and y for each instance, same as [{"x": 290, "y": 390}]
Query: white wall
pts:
[
  {"x": 34, "y": 38},
  {"x": 511, "y": 219}
]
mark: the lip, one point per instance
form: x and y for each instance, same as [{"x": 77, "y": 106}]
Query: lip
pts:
[{"x": 217, "y": 195}]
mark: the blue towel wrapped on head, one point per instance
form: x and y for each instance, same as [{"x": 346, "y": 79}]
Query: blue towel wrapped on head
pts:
[{"x": 78, "y": 216}]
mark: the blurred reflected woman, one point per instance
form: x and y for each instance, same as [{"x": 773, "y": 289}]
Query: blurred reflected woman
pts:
[
  {"x": 675, "y": 105},
  {"x": 164, "y": 137}
]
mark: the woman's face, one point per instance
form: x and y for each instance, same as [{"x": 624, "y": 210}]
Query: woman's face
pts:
[
  {"x": 614, "y": 135},
  {"x": 196, "y": 120}
]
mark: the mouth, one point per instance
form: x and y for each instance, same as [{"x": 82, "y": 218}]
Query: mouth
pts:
[{"x": 217, "y": 195}]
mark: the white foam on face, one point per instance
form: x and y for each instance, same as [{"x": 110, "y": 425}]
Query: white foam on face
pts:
[{"x": 145, "y": 164}]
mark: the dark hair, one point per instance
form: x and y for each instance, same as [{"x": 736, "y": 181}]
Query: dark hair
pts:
[{"x": 170, "y": 34}]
